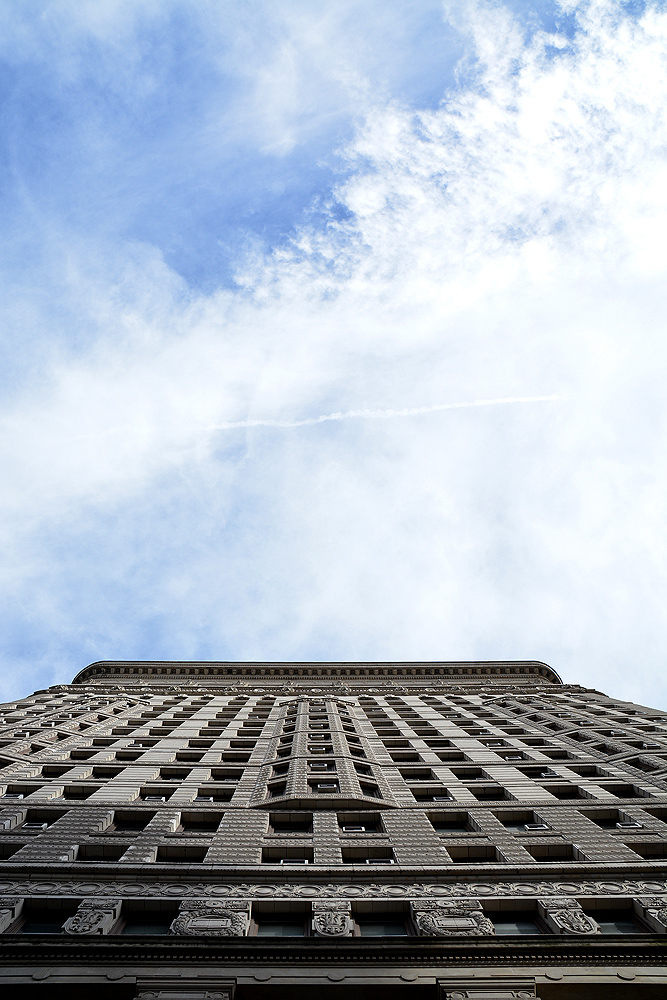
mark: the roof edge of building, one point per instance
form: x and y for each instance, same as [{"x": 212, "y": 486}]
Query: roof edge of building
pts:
[{"x": 458, "y": 670}]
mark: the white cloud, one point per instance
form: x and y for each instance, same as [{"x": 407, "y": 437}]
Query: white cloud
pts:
[{"x": 507, "y": 244}]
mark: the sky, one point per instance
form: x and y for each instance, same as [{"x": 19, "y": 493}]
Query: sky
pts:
[{"x": 334, "y": 331}]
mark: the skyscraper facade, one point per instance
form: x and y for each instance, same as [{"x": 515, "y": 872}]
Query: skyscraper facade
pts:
[{"x": 433, "y": 831}]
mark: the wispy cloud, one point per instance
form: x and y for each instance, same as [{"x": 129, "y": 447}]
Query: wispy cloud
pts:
[{"x": 414, "y": 411}]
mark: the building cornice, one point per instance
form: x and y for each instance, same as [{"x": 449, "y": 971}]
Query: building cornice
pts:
[{"x": 496, "y": 671}]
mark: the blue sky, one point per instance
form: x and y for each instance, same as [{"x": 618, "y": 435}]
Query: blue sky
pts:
[{"x": 223, "y": 219}]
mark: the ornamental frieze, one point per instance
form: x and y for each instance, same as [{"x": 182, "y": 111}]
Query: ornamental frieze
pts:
[{"x": 407, "y": 891}]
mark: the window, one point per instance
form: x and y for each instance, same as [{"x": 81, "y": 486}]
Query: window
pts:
[
  {"x": 200, "y": 822},
  {"x": 105, "y": 773},
  {"x": 17, "y": 792},
  {"x": 79, "y": 791},
  {"x": 624, "y": 791},
  {"x": 474, "y": 855},
  {"x": 177, "y": 855},
  {"x": 617, "y": 921},
  {"x": 143, "y": 919},
  {"x": 9, "y": 850},
  {"x": 104, "y": 853},
  {"x": 359, "y": 822},
  {"x": 213, "y": 794},
  {"x": 279, "y": 926},
  {"x": 485, "y": 792},
  {"x": 287, "y": 823},
  {"x": 368, "y": 856},
  {"x": 383, "y": 923},
  {"x": 287, "y": 855},
  {"x": 175, "y": 773},
  {"x": 324, "y": 787},
  {"x": 612, "y": 819},
  {"x": 564, "y": 791},
  {"x": 226, "y": 773},
  {"x": 431, "y": 794},
  {"x": 157, "y": 794},
  {"x": 130, "y": 821},
  {"x": 43, "y": 917},
  {"x": 450, "y": 822},
  {"x": 650, "y": 850},
  {"x": 552, "y": 853},
  {"x": 40, "y": 819},
  {"x": 519, "y": 821},
  {"x": 515, "y": 922}
]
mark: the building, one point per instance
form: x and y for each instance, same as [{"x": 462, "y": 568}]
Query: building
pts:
[{"x": 410, "y": 831}]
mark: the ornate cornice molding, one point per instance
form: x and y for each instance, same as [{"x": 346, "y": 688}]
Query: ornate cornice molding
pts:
[
  {"x": 494, "y": 671},
  {"x": 480, "y": 888}
]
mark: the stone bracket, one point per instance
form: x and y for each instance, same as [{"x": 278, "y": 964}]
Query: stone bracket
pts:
[
  {"x": 10, "y": 909},
  {"x": 653, "y": 910},
  {"x": 451, "y": 917}
]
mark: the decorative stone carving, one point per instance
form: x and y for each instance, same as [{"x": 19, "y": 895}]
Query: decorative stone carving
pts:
[
  {"x": 94, "y": 916},
  {"x": 437, "y": 890},
  {"x": 448, "y": 918},
  {"x": 332, "y": 919},
  {"x": 489, "y": 994},
  {"x": 212, "y": 918},
  {"x": 168, "y": 989},
  {"x": 10, "y": 909},
  {"x": 510, "y": 989},
  {"x": 563, "y": 915},
  {"x": 654, "y": 911}
]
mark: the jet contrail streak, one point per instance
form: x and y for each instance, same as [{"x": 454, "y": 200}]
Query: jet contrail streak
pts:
[{"x": 414, "y": 411}]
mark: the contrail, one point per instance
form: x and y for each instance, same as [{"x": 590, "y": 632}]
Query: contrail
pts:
[{"x": 414, "y": 411}]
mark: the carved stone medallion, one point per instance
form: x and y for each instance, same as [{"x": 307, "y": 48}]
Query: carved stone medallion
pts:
[
  {"x": 565, "y": 916},
  {"x": 448, "y": 918},
  {"x": 332, "y": 919},
  {"x": 212, "y": 918},
  {"x": 94, "y": 916}
]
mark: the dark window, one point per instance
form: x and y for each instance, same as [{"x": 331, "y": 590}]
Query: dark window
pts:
[
  {"x": 515, "y": 922},
  {"x": 554, "y": 853},
  {"x": 101, "y": 852},
  {"x": 287, "y": 856},
  {"x": 359, "y": 822},
  {"x": 368, "y": 856},
  {"x": 9, "y": 850},
  {"x": 381, "y": 925},
  {"x": 520, "y": 821},
  {"x": 657, "y": 849},
  {"x": 280, "y": 926},
  {"x": 200, "y": 822},
  {"x": 79, "y": 791},
  {"x": 287, "y": 823},
  {"x": 44, "y": 919},
  {"x": 450, "y": 822},
  {"x": 324, "y": 787},
  {"x": 617, "y": 921},
  {"x": 474, "y": 855},
  {"x": 212, "y": 794},
  {"x": 181, "y": 855},
  {"x": 149, "y": 922},
  {"x": 131, "y": 822}
]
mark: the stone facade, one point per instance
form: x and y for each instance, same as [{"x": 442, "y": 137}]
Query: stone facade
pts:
[{"x": 314, "y": 826}]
